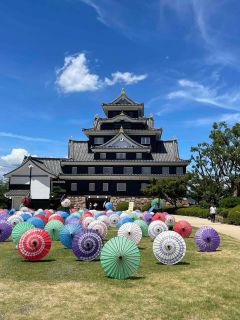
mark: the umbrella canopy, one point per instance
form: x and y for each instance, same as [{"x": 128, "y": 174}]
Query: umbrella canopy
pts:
[
  {"x": 100, "y": 227},
  {"x": 53, "y": 228},
  {"x": 147, "y": 217},
  {"x": 87, "y": 214},
  {"x": 26, "y": 216},
  {"x": 104, "y": 219},
  {"x": 5, "y": 230},
  {"x": 63, "y": 214},
  {"x": 169, "y": 247},
  {"x": 133, "y": 216},
  {"x": 140, "y": 215},
  {"x": 34, "y": 244},
  {"x": 120, "y": 258},
  {"x": 56, "y": 216},
  {"x": 67, "y": 234},
  {"x": 13, "y": 220},
  {"x": 183, "y": 228},
  {"x": 124, "y": 220},
  {"x": 156, "y": 227},
  {"x": 87, "y": 245},
  {"x": 37, "y": 222},
  {"x": 19, "y": 229},
  {"x": 74, "y": 220},
  {"x": 114, "y": 219},
  {"x": 144, "y": 227},
  {"x": 169, "y": 220},
  {"x": 158, "y": 216},
  {"x": 207, "y": 239},
  {"x": 86, "y": 221},
  {"x": 131, "y": 230},
  {"x": 41, "y": 216},
  {"x": 4, "y": 216}
]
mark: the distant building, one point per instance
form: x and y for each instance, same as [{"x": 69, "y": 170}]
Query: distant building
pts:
[{"x": 122, "y": 154}]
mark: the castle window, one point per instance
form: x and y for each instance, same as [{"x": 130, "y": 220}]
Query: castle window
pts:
[
  {"x": 120, "y": 155},
  {"x": 179, "y": 170},
  {"x": 138, "y": 156},
  {"x": 165, "y": 170},
  {"x": 74, "y": 170},
  {"x": 128, "y": 170},
  {"x": 121, "y": 186},
  {"x": 143, "y": 185},
  {"x": 102, "y": 156},
  {"x": 146, "y": 170},
  {"x": 91, "y": 186},
  {"x": 98, "y": 140},
  {"x": 105, "y": 186},
  {"x": 74, "y": 186},
  {"x": 107, "y": 170},
  {"x": 145, "y": 140},
  {"x": 91, "y": 170}
]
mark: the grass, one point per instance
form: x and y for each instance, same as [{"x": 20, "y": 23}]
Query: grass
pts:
[{"x": 202, "y": 286}]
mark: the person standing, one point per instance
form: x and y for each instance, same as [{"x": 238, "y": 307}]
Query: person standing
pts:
[{"x": 213, "y": 212}]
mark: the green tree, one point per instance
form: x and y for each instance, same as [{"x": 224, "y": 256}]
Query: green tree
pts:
[
  {"x": 4, "y": 202},
  {"x": 216, "y": 164},
  {"x": 55, "y": 196},
  {"x": 171, "y": 189}
]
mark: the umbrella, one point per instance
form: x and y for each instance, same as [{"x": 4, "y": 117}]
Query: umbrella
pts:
[
  {"x": 114, "y": 219},
  {"x": 100, "y": 227},
  {"x": 131, "y": 230},
  {"x": 13, "y": 220},
  {"x": 144, "y": 227},
  {"x": 73, "y": 220},
  {"x": 140, "y": 215},
  {"x": 53, "y": 228},
  {"x": 26, "y": 216},
  {"x": 56, "y": 216},
  {"x": 5, "y": 230},
  {"x": 37, "y": 222},
  {"x": 158, "y": 216},
  {"x": 155, "y": 228},
  {"x": 120, "y": 258},
  {"x": 41, "y": 216},
  {"x": 4, "y": 216},
  {"x": 87, "y": 245},
  {"x": 86, "y": 214},
  {"x": 109, "y": 206},
  {"x": 63, "y": 214},
  {"x": 34, "y": 244},
  {"x": 169, "y": 220},
  {"x": 124, "y": 220},
  {"x": 86, "y": 221},
  {"x": 183, "y": 228},
  {"x": 99, "y": 214},
  {"x": 147, "y": 217},
  {"x": 19, "y": 229},
  {"x": 104, "y": 219},
  {"x": 169, "y": 247},
  {"x": 207, "y": 239},
  {"x": 67, "y": 234},
  {"x": 133, "y": 216}
]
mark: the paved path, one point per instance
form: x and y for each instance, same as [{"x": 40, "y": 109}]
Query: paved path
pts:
[{"x": 229, "y": 230}]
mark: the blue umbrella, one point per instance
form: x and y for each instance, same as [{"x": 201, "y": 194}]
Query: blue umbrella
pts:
[
  {"x": 124, "y": 220},
  {"x": 12, "y": 211},
  {"x": 67, "y": 234},
  {"x": 26, "y": 216},
  {"x": 37, "y": 222},
  {"x": 63, "y": 214},
  {"x": 99, "y": 214}
]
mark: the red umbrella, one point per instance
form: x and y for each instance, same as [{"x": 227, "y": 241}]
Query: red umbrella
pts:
[
  {"x": 34, "y": 244},
  {"x": 183, "y": 228},
  {"x": 86, "y": 214},
  {"x": 43, "y": 217},
  {"x": 48, "y": 213},
  {"x": 158, "y": 216},
  {"x": 56, "y": 217}
]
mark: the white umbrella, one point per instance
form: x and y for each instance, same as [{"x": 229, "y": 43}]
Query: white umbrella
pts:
[
  {"x": 86, "y": 221},
  {"x": 99, "y": 226},
  {"x": 155, "y": 228},
  {"x": 104, "y": 219},
  {"x": 113, "y": 219},
  {"x": 131, "y": 230}
]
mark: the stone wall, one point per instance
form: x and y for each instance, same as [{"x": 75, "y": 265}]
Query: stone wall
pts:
[{"x": 78, "y": 202}]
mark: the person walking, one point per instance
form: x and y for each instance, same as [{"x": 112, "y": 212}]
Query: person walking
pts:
[{"x": 213, "y": 212}]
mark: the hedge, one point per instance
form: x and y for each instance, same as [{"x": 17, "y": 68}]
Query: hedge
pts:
[
  {"x": 122, "y": 206},
  {"x": 229, "y": 202},
  {"x": 193, "y": 211},
  {"x": 234, "y": 216}
]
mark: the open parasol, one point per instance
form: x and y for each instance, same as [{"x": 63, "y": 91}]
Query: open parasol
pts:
[
  {"x": 87, "y": 245},
  {"x": 5, "y": 230},
  {"x": 19, "y": 230},
  {"x": 67, "y": 234},
  {"x": 14, "y": 219},
  {"x": 37, "y": 222},
  {"x": 53, "y": 228},
  {"x": 144, "y": 227},
  {"x": 156, "y": 227},
  {"x": 183, "y": 228},
  {"x": 86, "y": 221},
  {"x": 169, "y": 220},
  {"x": 169, "y": 247},
  {"x": 207, "y": 239},
  {"x": 120, "y": 258},
  {"x": 131, "y": 230},
  {"x": 100, "y": 227},
  {"x": 34, "y": 244},
  {"x": 114, "y": 219}
]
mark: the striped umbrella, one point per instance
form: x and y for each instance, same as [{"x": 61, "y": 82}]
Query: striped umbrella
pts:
[
  {"x": 37, "y": 222},
  {"x": 100, "y": 227},
  {"x": 13, "y": 220},
  {"x": 169, "y": 220},
  {"x": 183, "y": 228},
  {"x": 159, "y": 216},
  {"x": 144, "y": 227},
  {"x": 19, "y": 230},
  {"x": 4, "y": 216},
  {"x": 53, "y": 228},
  {"x": 120, "y": 258},
  {"x": 34, "y": 244},
  {"x": 169, "y": 247},
  {"x": 5, "y": 230},
  {"x": 86, "y": 221},
  {"x": 104, "y": 219},
  {"x": 155, "y": 228},
  {"x": 56, "y": 217},
  {"x": 67, "y": 234},
  {"x": 41, "y": 216},
  {"x": 207, "y": 239},
  {"x": 87, "y": 245},
  {"x": 131, "y": 230},
  {"x": 114, "y": 219}
]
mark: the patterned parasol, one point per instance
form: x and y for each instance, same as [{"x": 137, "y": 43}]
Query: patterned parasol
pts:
[
  {"x": 19, "y": 230},
  {"x": 67, "y": 234},
  {"x": 37, "y": 222},
  {"x": 169, "y": 220},
  {"x": 207, "y": 239},
  {"x": 158, "y": 216},
  {"x": 34, "y": 244},
  {"x": 5, "y": 230},
  {"x": 86, "y": 221},
  {"x": 100, "y": 227},
  {"x": 41, "y": 216},
  {"x": 53, "y": 228},
  {"x": 132, "y": 231},
  {"x": 56, "y": 216},
  {"x": 155, "y": 228},
  {"x": 114, "y": 219},
  {"x": 87, "y": 245},
  {"x": 26, "y": 216},
  {"x": 147, "y": 217},
  {"x": 104, "y": 219},
  {"x": 183, "y": 228},
  {"x": 144, "y": 227},
  {"x": 13, "y": 220},
  {"x": 120, "y": 258},
  {"x": 74, "y": 220},
  {"x": 169, "y": 247}
]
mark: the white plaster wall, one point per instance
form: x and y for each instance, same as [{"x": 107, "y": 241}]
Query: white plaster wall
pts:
[{"x": 40, "y": 188}]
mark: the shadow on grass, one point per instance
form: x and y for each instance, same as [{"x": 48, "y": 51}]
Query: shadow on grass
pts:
[
  {"x": 39, "y": 261},
  {"x": 205, "y": 252},
  {"x": 95, "y": 260},
  {"x": 141, "y": 248},
  {"x": 181, "y": 263},
  {"x": 130, "y": 278}
]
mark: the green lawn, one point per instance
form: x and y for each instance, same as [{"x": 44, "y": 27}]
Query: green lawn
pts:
[{"x": 203, "y": 286}]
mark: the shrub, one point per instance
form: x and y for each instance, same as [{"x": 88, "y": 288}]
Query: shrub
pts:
[
  {"x": 122, "y": 206},
  {"x": 229, "y": 202},
  {"x": 204, "y": 204},
  {"x": 146, "y": 206},
  {"x": 193, "y": 211},
  {"x": 223, "y": 212},
  {"x": 234, "y": 215}
]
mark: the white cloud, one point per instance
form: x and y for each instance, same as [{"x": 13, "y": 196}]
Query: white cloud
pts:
[
  {"x": 194, "y": 91},
  {"x": 230, "y": 118},
  {"x": 25, "y": 138},
  {"x": 75, "y": 76}
]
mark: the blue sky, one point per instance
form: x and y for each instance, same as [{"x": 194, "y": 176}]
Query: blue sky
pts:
[{"x": 59, "y": 60}]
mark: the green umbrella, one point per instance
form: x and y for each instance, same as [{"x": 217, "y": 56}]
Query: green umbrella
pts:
[
  {"x": 144, "y": 227},
  {"x": 53, "y": 227},
  {"x": 120, "y": 257},
  {"x": 19, "y": 230},
  {"x": 155, "y": 201},
  {"x": 133, "y": 216}
]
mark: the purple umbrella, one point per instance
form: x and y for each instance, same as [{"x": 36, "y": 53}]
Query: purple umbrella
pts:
[
  {"x": 4, "y": 216},
  {"x": 73, "y": 220},
  {"x": 147, "y": 217},
  {"x": 207, "y": 239},
  {"x": 5, "y": 230},
  {"x": 87, "y": 245}
]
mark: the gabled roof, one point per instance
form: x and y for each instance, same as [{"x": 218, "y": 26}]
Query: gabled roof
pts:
[{"x": 122, "y": 100}]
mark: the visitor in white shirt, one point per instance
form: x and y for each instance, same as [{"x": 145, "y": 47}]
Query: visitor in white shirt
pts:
[{"x": 213, "y": 211}]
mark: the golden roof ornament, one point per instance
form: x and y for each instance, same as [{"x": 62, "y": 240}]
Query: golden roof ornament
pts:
[
  {"x": 123, "y": 93},
  {"x": 174, "y": 138},
  {"x": 121, "y": 129}
]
